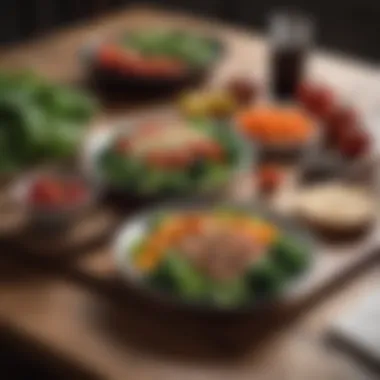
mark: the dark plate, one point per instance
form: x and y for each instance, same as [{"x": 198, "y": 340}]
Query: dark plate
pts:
[{"x": 115, "y": 83}]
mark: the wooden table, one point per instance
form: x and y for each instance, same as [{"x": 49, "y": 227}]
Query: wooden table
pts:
[
  {"x": 61, "y": 313},
  {"x": 54, "y": 319}
]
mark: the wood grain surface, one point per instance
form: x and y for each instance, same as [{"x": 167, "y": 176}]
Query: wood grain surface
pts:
[{"x": 113, "y": 342}]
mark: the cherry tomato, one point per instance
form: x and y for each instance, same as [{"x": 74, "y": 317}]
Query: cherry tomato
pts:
[
  {"x": 55, "y": 192},
  {"x": 342, "y": 116},
  {"x": 339, "y": 122},
  {"x": 305, "y": 93},
  {"x": 333, "y": 132},
  {"x": 269, "y": 178},
  {"x": 354, "y": 143},
  {"x": 47, "y": 192},
  {"x": 322, "y": 102},
  {"x": 317, "y": 99}
]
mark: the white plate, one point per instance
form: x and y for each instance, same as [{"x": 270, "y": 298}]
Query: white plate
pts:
[
  {"x": 137, "y": 227},
  {"x": 98, "y": 139}
]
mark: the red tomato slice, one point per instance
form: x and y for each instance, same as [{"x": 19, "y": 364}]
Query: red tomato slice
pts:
[
  {"x": 170, "y": 159},
  {"x": 181, "y": 158},
  {"x": 117, "y": 58},
  {"x": 324, "y": 102},
  {"x": 208, "y": 149},
  {"x": 128, "y": 61}
]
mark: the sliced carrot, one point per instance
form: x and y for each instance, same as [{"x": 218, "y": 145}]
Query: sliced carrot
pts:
[
  {"x": 275, "y": 125},
  {"x": 146, "y": 261},
  {"x": 265, "y": 233}
]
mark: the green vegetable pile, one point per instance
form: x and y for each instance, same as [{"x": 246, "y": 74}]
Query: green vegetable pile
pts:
[
  {"x": 285, "y": 259},
  {"x": 38, "y": 120},
  {"x": 187, "y": 47},
  {"x": 132, "y": 175}
]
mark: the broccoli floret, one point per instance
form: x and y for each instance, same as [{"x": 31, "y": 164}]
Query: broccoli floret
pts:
[
  {"x": 290, "y": 255},
  {"x": 177, "y": 275},
  {"x": 265, "y": 278}
]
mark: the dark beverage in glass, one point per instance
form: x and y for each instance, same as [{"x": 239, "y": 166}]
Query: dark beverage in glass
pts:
[{"x": 290, "y": 38}]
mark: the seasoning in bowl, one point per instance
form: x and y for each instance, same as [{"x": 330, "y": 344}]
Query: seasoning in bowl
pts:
[{"x": 337, "y": 207}]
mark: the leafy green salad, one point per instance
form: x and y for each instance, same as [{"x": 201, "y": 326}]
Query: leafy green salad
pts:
[
  {"x": 184, "y": 46},
  {"x": 172, "y": 157},
  {"x": 226, "y": 258},
  {"x": 38, "y": 120}
]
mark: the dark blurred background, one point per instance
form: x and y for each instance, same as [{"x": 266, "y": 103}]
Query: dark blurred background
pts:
[{"x": 351, "y": 26}]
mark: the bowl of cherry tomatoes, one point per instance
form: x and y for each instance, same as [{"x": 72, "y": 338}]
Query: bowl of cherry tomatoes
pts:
[{"x": 53, "y": 199}]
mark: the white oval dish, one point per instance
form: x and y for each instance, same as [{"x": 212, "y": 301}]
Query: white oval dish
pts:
[
  {"x": 98, "y": 139},
  {"x": 138, "y": 226}
]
